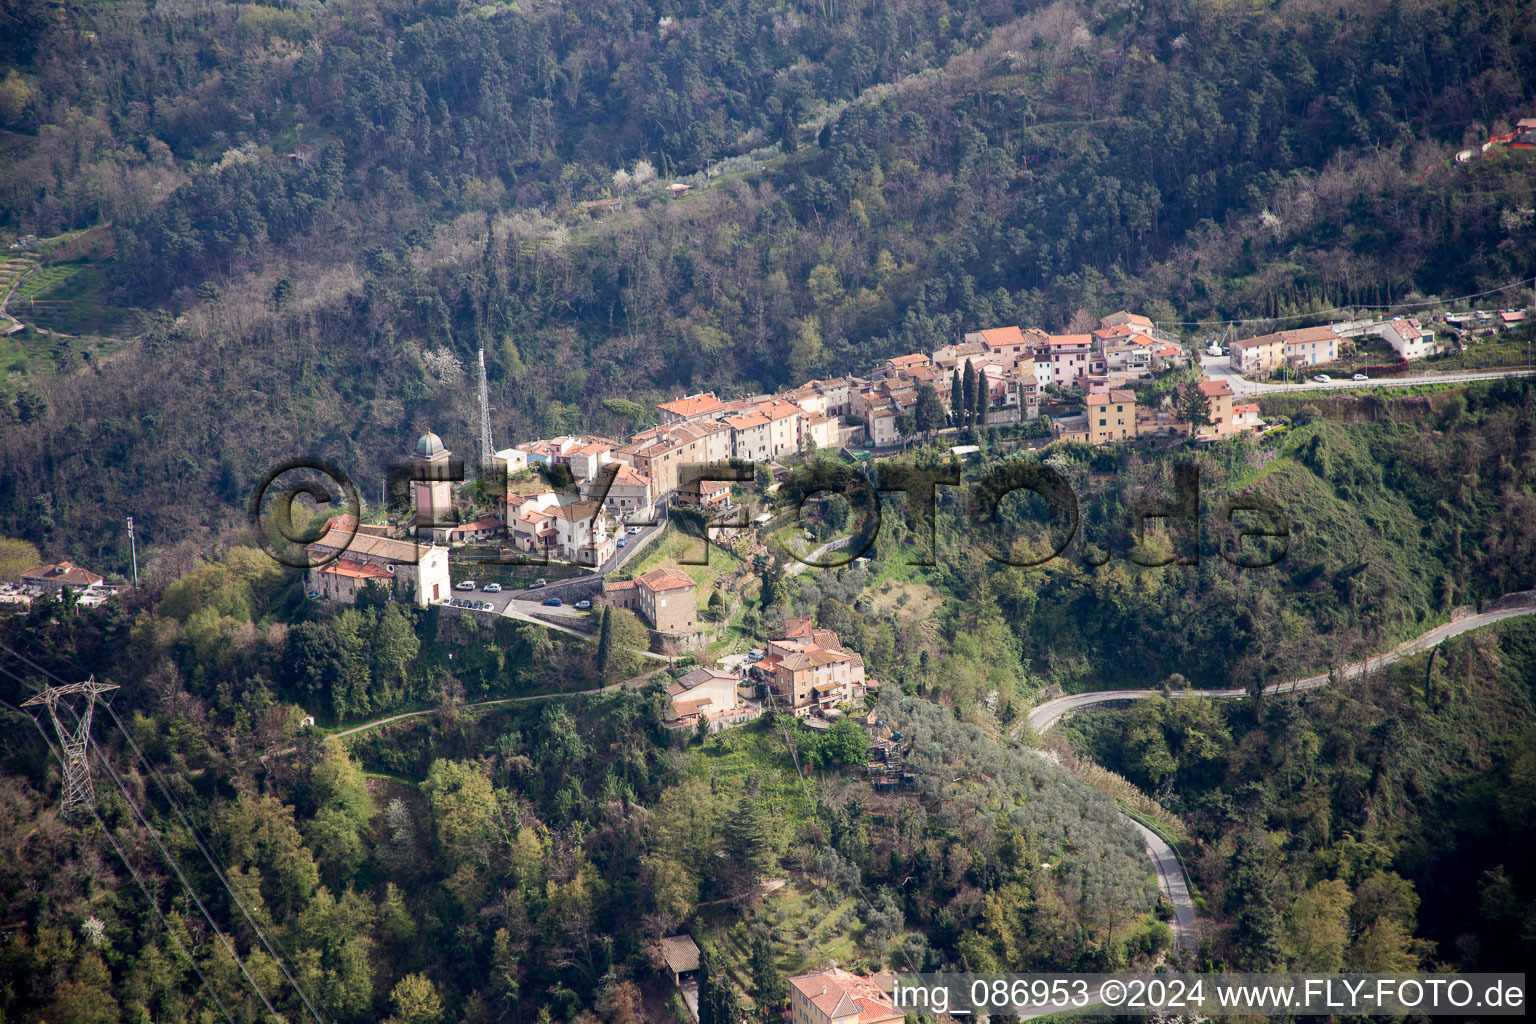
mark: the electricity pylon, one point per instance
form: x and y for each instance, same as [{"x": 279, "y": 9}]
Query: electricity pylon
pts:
[{"x": 77, "y": 769}]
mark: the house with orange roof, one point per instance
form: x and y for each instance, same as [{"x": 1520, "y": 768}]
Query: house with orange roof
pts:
[
  {"x": 1408, "y": 338},
  {"x": 1111, "y": 416},
  {"x": 749, "y": 435},
  {"x": 52, "y": 579},
  {"x": 666, "y": 598},
  {"x": 417, "y": 571},
  {"x": 691, "y": 407},
  {"x": 1245, "y": 417},
  {"x": 836, "y": 996},
  {"x": 487, "y": 527}
]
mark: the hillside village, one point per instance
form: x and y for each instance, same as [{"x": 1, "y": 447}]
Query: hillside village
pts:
[{"x": 589, "y": 504}]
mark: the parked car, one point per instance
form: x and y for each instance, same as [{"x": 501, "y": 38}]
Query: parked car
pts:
[
  {"x": 486, "y": 606},
  {"x": 623, "y": 541},
  {"x": 464, "y": 585},
  {"x": 634, "y": 530},
  {"x": 492, "y": 588},
  {"x": 1361, "y": 376},
  {"x": 553, "y": 602},
  {"x": 1323, "y": 378},
  {"x": 536, "y": 583},
  {"x": 583, "y": 605}
]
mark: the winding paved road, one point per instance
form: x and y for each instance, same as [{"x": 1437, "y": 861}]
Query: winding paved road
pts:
[{"x": 1170, "y": 876}]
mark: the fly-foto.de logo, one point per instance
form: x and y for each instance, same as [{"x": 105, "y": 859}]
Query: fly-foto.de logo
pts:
[{"x": 1021, "y": 512}]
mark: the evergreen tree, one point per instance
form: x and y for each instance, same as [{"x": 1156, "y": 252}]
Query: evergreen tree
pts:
[
  {"x": 929, "y": 410},
  {"x": 605, "y": 643},
  {"x": 748, "y": 841},
  {"x": 1194, "y": 407},
  {"x": 983, "y": 398},
  {"x": 968, "y": 395},
  {"x": 717, "y": 1002},
  {"x": 956, "y": 399},
  {"x": 1250, "y": 899},
  {"x": 768, "y": 985}
]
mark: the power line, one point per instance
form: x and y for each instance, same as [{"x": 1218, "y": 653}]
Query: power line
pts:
[
  {"x": 220, "y": 870},
  {"x": 154, "y": 836},
  {"x": 153, "y": 903}
]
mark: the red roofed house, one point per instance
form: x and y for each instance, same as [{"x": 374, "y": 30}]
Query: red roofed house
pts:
[
  {"x": 54, "y": 578},
  {"x": 705, "y": 494},
  {"x": 342, "y": 580},
  {"x": 1111, "y": 416},
  {"x": 485, "y": 528},
  {"x": 664, "y": 597},
  {"x": 692, "y": 407},
  {"x": 835, "y": 996},
  {"x": 1223, "y": 423},
  {"x": 1246, "y": 417}
]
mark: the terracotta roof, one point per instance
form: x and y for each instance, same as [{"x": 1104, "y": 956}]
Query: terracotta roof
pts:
[
  {"x": 914, "y": 359},
  {"x": 665, "y": 578},
  {"x": 1002, "y": 337},
  {"x": 483, "y": 523},
  {"x": 629, "y": 476},
  {"x": 576, "y": 511},
  {"x": 63, "y": 572},
  {"x": 1106, "y": 397},
  {"x": 611, "y": 585},
  {"x": 841, "y": 995},
  {"x": 748, "y": 420},
  {"x": 779, "y": 410},
  {"x": 693, "y": 405},
  {"x": 386, "y": 548},
  {"x": 356, "y": 570},
  {"x": 1215, "y": 388}
]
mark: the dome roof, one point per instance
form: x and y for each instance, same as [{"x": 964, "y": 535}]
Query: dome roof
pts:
[{"x": 429, "y": 445}]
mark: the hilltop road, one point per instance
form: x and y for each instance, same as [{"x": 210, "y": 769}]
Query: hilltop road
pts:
[{"x": 1171, "y": 879}]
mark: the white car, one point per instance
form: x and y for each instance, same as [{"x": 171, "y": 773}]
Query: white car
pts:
[
  {"x": 1323, "y": 378},
  {"x": 493, "y": 588},
  {"x": 1361, "y": 376},
  {"x": 464, "y": 585},
  {"x": 633, "y": 530}
]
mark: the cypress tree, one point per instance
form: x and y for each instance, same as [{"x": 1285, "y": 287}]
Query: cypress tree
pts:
[
  {"x": 605, "y": 642},
  {"x": 982, "y": 397},
  {"x": 968, "y": 395},
  {"x": 956, "y": 406}
]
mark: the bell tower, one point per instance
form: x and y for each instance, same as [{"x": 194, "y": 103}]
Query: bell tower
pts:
[{"x": 432, "y": 487}]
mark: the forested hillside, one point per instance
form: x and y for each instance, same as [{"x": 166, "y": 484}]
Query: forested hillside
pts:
[
  {"x": 512, "y": 863},
  {"x": 1405, "y": 803},
  {"x": 1392, "y": 522},
  {"x": 866, "y": 180}
]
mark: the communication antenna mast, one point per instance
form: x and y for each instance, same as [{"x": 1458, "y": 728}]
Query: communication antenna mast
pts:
[
  {"x": 77, "y": 770},
  {"x": 486, "y": 452},
  {"x": 134, "y": 546}
]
